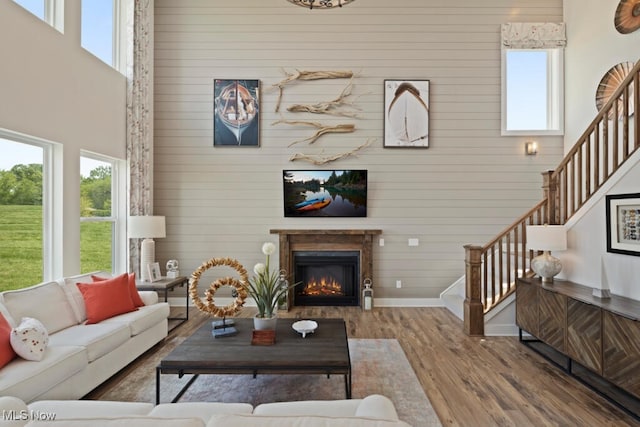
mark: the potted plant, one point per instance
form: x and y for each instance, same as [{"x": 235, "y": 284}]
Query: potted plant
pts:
[{"x": 266, "y": 288}]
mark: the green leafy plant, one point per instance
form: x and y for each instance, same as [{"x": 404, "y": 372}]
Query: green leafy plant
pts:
[{"x": 266, "y": 286}]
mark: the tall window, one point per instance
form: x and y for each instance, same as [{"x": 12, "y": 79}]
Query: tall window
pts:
[
  {"x": 21, "y": 214},
  {"x": 97, "y": 214},
  {"x": 98, "y": 28},
  {"x": 532, "y": 79},
  {"x": 34, "y": 6},
  {"x": 50, "y": 11}
]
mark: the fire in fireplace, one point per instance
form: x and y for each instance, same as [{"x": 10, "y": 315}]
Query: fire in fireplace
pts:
[{"x": 328, "y": 277}]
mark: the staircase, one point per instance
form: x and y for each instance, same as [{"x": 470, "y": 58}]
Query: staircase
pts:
[{"x": 492, "y": 269}]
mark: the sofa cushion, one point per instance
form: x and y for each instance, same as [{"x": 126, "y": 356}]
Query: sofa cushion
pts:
[
  {"x": 28, "y": 380},
  {"x": 135, "y": 296},
  {"x": 202, "y": 410},
  {"x": 377, "y": 406},
  {"x": 75, "y": 296},
  {"x": 229, "y": 420},
  {"x": 9, "y": 406},
  {"x": 106, "y": 299},
  {"x": 143, "y": 318},
  {"x": 121, "y": 422},
  {"x": 337, "y": 408},
  {"x": 7, "y": 353},
  {"x": 65, "y": 409},
  {"x": 46, "y": 302},
  {"x": 29, "y": 339},
  {"x": 99, "y": 339}
]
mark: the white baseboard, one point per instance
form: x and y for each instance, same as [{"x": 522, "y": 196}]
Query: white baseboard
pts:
[
  {"x": 500, "y": 330},
  {"x": 377, "y": 302}
]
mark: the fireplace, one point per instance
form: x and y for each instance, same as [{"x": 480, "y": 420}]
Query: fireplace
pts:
[
  {"x": 339, "y": 249},
  {"x": 327, "y": 277}
]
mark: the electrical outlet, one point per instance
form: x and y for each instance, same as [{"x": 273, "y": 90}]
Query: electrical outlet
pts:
[
  {"x": 381, "y": 242},
  {"x": 414, "y": 242},
  {"x": 398, "y": 284}
]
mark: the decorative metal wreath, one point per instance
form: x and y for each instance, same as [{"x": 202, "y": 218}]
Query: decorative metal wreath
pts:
[{"x": 238, "y": 285}]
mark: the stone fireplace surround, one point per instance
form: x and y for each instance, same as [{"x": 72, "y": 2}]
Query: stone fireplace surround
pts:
[{"x": 327, "y": 240}]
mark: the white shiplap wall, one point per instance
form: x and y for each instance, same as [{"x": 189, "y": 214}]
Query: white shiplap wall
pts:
[{"x": 467, "y": 186}]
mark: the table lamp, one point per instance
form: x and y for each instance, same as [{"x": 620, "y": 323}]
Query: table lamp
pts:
[
  {"x": 546, "y": 238},
  {"x": 147, "y": 228}
]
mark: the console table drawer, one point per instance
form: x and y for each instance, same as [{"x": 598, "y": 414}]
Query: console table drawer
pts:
[
  {"x": 527, "y": 308},
  {"x": 553, "y": 318},
  {"x": 621, "y": 340},
  {"x": 584, "y": 334}
]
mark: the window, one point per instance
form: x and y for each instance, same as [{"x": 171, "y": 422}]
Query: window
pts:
[
  {"x": 98, "y": 28},
  {"x": 532, "y": 92},
  {"x": 22, "y": 213},
  {"x": 532, "y": 78},
  {"x": 34, "y": 6},
  {"x": 97, "y": 214},
  {"x": 50, "y": 11}
]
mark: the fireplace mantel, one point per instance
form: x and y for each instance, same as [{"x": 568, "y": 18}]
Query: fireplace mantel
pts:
[{"x": 309, "y": 240}]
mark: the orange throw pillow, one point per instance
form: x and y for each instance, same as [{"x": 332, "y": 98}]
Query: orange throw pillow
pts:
[
  {"x": 7, "y": 354},
  {"x": 107, "y": 298},
  {"x": 135, "y": 296}
]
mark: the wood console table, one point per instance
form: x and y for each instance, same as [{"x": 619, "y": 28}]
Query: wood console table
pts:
[{"x": 596, "y": 340}]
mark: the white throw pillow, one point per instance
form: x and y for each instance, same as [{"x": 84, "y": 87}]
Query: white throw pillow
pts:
[{"x": 29, "y": 339}]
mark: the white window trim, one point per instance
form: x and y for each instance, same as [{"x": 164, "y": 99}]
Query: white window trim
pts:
[
  {"x": 118, "y": 210},
  {"x": 50, "y": 158},
  {"x": 555, "y": 94}
]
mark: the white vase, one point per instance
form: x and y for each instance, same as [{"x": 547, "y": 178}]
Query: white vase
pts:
[{"x": 264, "y": 323}]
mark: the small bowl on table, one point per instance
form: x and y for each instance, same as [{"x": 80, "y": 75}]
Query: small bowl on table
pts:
[{"x": 305, "y": 327}]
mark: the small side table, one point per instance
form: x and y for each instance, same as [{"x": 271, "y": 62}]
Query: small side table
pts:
[{"x": 165, "y": 285}]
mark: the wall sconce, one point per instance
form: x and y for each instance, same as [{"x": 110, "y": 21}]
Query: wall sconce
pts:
[{"x": 531, "y": 148}]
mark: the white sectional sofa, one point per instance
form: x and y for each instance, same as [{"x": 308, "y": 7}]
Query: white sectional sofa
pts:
[
  {"x": 79, "y": 356},
  {"x": 372, "y": 411}
]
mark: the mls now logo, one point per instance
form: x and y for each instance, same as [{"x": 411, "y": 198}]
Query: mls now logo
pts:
[{"x": 25, "y": 415}]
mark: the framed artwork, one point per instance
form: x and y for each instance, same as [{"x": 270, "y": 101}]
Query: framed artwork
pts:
[
  {"x": 406, "y": 113},
  {"x": 154, "y": 271},
  {"x": 236, "y": 113},
  {"x": 623, "y": 223}
]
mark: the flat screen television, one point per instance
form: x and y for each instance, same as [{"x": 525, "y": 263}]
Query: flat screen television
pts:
[{"x": 325, "y": 193}]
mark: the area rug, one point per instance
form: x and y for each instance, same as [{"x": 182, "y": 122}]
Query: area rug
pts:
[{"x": 379, "y": 367}]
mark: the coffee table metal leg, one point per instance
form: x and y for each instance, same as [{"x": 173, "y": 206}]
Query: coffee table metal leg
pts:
[
  {"x": 157, "y": 385},
  {"x": 347, "y": 384},
  {"x": 184, "y": 389}
]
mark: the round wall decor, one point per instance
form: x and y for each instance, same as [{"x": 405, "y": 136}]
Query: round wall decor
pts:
[
  {"x": 240, "y": 290},
  {"x": 627, "y": 18},
  {"x": 610, "y": 83}
]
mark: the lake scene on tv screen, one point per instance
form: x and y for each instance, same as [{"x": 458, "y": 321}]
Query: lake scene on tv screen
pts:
[{"x": 331, "y": 193}]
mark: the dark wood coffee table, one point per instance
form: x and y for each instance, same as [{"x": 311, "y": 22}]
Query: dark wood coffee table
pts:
[{"x": 326, "y": 351}]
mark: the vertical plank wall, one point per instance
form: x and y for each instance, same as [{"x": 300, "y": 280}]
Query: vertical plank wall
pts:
[{"x": 468, "y": 185}]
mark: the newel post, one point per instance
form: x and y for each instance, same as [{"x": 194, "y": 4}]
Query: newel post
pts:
[
  {"x": 473, "y": 307},
  {"x": 550, "y": 189}
]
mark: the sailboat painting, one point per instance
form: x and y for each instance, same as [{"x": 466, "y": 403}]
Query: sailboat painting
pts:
[
  {"x": 406, "y": 113},
  {"x": 236, "y": 112}
]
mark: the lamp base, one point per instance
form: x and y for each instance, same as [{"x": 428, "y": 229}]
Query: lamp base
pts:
[
  {"x": 546, "y": 266},
  {"x": 147, "y": 256}
]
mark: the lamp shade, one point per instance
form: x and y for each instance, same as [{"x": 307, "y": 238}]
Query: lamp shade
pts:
[
  {"x": 143, "y": 227},
  {"x": 546, "y": 237}
]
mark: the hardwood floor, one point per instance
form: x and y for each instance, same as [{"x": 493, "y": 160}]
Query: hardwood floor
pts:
[{"x": 493, "y": 381}]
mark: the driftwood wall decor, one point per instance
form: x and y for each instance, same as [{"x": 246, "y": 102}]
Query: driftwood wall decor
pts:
[
  {"x": 335, "y": 107},
  {"x": 322, "y": 129},
  {"x": 321, "y": 160},
  {"x": 339, "y": 106},
  {"x": 308, "y": 75}
]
